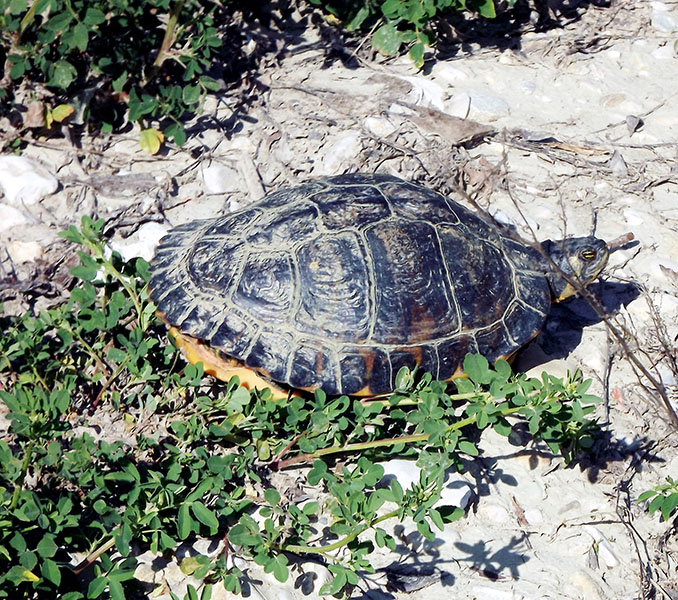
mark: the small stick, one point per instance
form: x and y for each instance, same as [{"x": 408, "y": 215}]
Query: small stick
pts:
[{"x": 621, "y": 241}]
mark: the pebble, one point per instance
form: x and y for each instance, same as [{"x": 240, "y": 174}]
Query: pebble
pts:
[
  {"x": 662, "y": 20},
  {"x": 534, "y": 516},
  {"x": 13, "y": 217},
  {"x": 314, "y": 577},
  {"x": 585, "y": 586},
  {"x": 458, "y": 105},
  {"x": 665, "y": 52},
  {"x": 379, "y": 126},
  {"x": 456, "y": 490},
  {"x": 405, "y": 472},
  {"x": 484, "y": 592},
  {"x": 340, "y": 155},
  {"x": 633, "y": 217},
  {"x": 488, "y": 107},
  {"x": 448, "y": 73},
  {"x": 25, "y": 252},
  {"x": 605, "y": 552},
  {"x": 493, "y": 512},
  {"x": 142, "y": 243},
  {"x": 426, "y": 92},
  {"x": 220, "y": 179},
  {"x": 25, "y": 181},
  {"x": 667, "y": 376}
]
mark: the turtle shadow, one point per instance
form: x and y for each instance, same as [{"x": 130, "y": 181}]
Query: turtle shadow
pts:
[{"x": 564, "y": 326}]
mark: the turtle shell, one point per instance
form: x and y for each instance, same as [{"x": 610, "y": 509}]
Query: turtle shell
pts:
[{"x": 338, "y": 283}]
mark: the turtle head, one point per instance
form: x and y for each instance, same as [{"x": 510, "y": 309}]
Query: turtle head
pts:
[{"x": 580, "y": 258}]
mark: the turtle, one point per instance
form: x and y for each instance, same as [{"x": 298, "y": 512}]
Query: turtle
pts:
[{"x": 337, "y": 283}]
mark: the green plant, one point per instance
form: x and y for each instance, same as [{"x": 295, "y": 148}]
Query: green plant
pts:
[
  {"x": 664, "y": 498},
  {"x": 135, "y": 61},
  {"x": 394, "y": 23},
  {"x": 198, "y": 456}
]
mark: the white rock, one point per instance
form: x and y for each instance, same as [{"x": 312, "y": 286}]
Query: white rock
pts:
[
  {"x": 314, "y": 577},
  {"x": 342, "y": 153},
  {"x": 534, "y": 516},
  {"x": 448, "y": 535},
  {"x": 426, "y": 92},
  {"x": 662, "y": 19},
  {"x": 605, "y": 552},
  {"x": 667, "y": 376},
  {"x": 379, "y": 126},
  {"x": 142, "y": 243},
  {"x": 459, "y": 105},
  {"x": 448, "y": 73},
  {"x": 488, "y": 107},
  {"x": 25, "y": 181},
  {"x": 24, "y": 252},
  {"x": 456, "y": 491},
  {"x": 484, "y": 592},
  {"x": 528, "y": 86},
  {"x": 505, "y": 219},
  {"x": 13, "y": 217},
  {"x": 665, "y": 52},
  {"x": 633, "y": 217},
  {"x": 219, "y": 179},
  {"x": 493, "y": 513},
  {"x": 405, "y": 472}
]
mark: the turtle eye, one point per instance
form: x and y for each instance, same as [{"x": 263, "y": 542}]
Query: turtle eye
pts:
[{"x": 587, "y": 255}]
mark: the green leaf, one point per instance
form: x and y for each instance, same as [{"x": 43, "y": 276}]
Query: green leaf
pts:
[
  {"x": 668, "y": 505},
  {"x": 18, "y": 542},
  {"x": 80, "y": 36},
  {"x": 503, "y": 369},
  {"x": 116, "y": 590},
  {"x": 385, "y": 40},
  {"x": 210, "y": 83},
  {"x": 656, "y": 504},
  {"x": 123, "y": 538},
  {"x": 177, "y": 133},
  {"x": 205, "y": 515},
  {"x": 434, "y": 515},
  {"x": 477, "y": 368},
  {"x": 96, "y": 587},
  {"x": 18, "y": 574},
  {"x": 59, "y": 21},
  {"x": 486, "y": 9},
  {"x": 272, "y": 496},
  {"x": 184, "y": 522},
  {"x": 416, "y": 53},
  {"x": 468, "y": 448},
  {"x": 50, "y": 571},
  {"x": 191, "y": 94},
  {"x": 646, "y": 495},
  {"x": 94, "y": 16},
  {"x": 150, "y": 140},
  {"x": 358, "y": 19},
  {"x": 393, "y": 9},
  {"x": 17, "y": 6},
  {"x": 46, "y": 546},
  {"x": 62, "y": 74}
]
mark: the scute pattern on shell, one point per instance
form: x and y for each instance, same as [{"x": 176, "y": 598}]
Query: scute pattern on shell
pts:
[{"x": 339, "y": 282}]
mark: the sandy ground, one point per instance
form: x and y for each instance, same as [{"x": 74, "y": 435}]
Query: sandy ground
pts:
[{"x": 558, "y": 133}]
